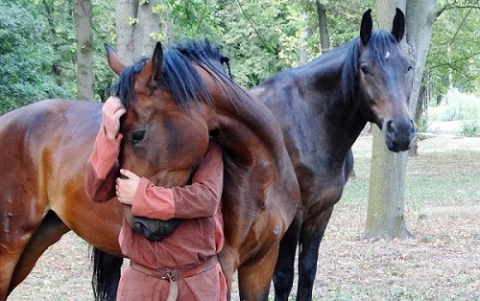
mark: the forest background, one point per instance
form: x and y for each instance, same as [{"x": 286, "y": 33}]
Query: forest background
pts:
[
  {"x": 38, "y": 49},
  {"x": 40, "y": 56}
]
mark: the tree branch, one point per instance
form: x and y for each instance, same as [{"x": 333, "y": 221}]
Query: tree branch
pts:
[{"x": 452, "y": 63}]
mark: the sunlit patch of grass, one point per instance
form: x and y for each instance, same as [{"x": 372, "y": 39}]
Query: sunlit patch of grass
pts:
[{"x": 442, "y": 174}]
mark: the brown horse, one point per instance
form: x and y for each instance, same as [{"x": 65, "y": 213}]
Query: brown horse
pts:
[
  {"x": 322, "y": 108},
  {"x": 175, "y": 101}
]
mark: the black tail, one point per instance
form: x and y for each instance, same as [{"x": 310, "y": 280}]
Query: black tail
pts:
[{"x": 106, "y": 275}]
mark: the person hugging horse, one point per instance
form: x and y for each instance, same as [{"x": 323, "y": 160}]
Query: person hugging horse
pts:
[{"x": 182, "y": 265}]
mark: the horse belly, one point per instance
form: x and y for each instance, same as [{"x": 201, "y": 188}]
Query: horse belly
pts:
[{"x": 97, "y": 223}]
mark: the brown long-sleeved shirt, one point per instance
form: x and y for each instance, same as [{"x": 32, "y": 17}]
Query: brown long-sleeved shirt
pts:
[{"x": 198, "y": 237}]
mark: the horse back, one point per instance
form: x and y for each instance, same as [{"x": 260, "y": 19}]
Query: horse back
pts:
[{"x": 48, "y": 134}]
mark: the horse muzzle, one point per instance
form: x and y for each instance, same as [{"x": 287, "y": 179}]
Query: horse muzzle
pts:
[
  {"x": 153, "y": 229},
  {"x": 398, "y": 135}
]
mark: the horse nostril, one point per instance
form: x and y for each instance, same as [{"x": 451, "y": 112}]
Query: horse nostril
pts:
[{"x": 391, "y": 127}]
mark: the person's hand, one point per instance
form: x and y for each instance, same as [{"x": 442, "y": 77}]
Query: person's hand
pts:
[
  {"x": 111, "y": 112},
  {"x": 126, "y": 186}
]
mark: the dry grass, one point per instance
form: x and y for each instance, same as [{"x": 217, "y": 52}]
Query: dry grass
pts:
[{"x": 441, "y": 262}]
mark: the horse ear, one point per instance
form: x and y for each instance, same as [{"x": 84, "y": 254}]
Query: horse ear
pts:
[
  {"x": 152, "y": 71},
  {"x": 366, "y": 27},
  {"x": 398, "y": 28},
  {"x": 157, "y": 62},
  {"x": 113, "y": 60}
]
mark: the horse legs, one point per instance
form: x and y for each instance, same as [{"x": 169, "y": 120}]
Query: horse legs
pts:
[
  {"x": 308, "y": 257},
  {"x": 254, "y": 277},
  {"x": 50, "y": 231},
  {"x": 20, "y": 249},
  {"x": 9, "y": 255},
  {"x": 228, "y": 258},
  {"x": 285, "y": 267}
]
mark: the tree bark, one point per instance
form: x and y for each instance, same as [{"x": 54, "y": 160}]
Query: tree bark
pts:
[
  {"x": 304, "y": 56},
  {"x": 83, "y": 22},
  {"x": 322, "y": 27},
  {"x": 419, "y": 25},
  {"x": 136, "y": 23},
  {"x": 386, "y": 202}
]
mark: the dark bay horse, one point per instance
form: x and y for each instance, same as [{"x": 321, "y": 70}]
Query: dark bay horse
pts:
[
  {"x": 175, "y": 101},
  {"x": 322, "y": 108}
]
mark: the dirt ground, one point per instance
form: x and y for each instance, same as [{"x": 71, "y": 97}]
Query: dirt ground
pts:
[{"x": 441, "y": 261}]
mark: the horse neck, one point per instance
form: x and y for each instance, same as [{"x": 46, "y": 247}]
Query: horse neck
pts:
[
  {"x": 246, "y": 124},
  {"x": 341, "y": 116}
]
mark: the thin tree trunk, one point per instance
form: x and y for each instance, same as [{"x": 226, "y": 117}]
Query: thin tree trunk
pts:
[
  {"x": 83, "y": 22},
  {"x": 322, "y": 27},
  {"x": 304, "y": 47},
  {"x": 419, "y": 23}
]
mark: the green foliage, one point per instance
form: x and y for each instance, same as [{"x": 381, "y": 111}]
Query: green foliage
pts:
[
  {"x": 470, "y": 128},
  {"x": 454, "y": 57},
  {"x": 262, "y": 38},
  {"x": 457, "y": 106},
  {"x": 103, "y": 23},
  {"x": 26, "y": 60}
]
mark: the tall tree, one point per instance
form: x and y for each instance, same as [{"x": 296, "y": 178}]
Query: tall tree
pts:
[
  {"x": 419, "y": 23},
  {"x": 322, "y": 27},
  {"x": 83, "y": 24},
  {"x": 386, "y": 200},
  {"x": 137, "y": 23}
]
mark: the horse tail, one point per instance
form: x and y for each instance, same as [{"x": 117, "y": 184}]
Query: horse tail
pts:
[{"x": 106, "y": 275}]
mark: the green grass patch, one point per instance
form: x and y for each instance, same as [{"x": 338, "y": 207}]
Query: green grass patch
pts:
[{"x": 444, "y": 174}]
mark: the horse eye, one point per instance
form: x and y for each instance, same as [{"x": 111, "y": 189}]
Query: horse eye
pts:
[
  {"x": 410, "y": 68},
  {"x": 137, "y": 136},
  {"x": 365, "y": 70}
]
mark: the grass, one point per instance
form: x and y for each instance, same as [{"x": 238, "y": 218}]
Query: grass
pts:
[
  {"x": 441, "y": 210},
  {"x": 434, "y": 178}
]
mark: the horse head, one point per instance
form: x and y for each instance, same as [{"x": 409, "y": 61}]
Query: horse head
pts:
[
  {"x": 167, "y": 126},
  {"x": 382, "y": 76}
]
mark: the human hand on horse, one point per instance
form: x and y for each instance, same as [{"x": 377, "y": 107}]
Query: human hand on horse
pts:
[
  {"x": 112, "y": 110},
  {"x": 126, "y": 186}
]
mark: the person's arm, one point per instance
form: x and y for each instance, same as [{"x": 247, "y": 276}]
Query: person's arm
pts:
[
  {"x": 102, "y": 167},
  {"x": 200, "y": 199}
]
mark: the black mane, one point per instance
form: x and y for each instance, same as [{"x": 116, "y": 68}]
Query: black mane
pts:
[
  {"x": 380, "y": 41},
  {"x": 179, "y": 76}
]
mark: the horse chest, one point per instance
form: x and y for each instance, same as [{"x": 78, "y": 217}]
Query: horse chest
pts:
[{"x": 320, "y": 188}]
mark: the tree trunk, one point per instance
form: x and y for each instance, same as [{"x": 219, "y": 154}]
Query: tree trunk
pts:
[
  {"x": 419, "y": 23},
  {"x": 83, "y": 23},
  {"x": 386, "y": 202},
  {"x": 304, "y": 57},
  {"x": 386, "y": 195},
  {"x": 322, "y": 27},
  {"x": 136, "y": 23}
]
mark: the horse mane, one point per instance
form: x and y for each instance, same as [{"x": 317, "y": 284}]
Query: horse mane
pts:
[
  {"x": 380, "y": 41},
  {"x": 179, "y": 76}
]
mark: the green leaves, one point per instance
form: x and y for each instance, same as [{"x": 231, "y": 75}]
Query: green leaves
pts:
[{"x": 26, "y": 60}]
